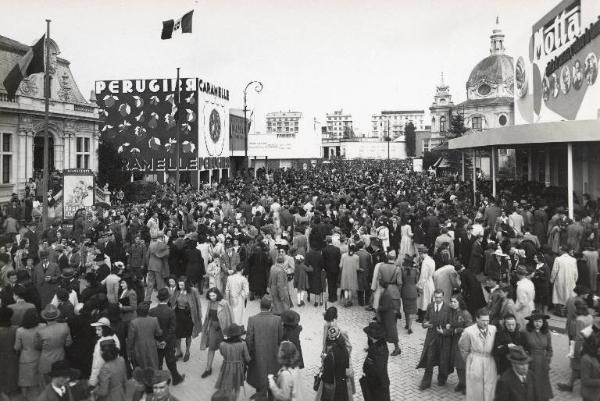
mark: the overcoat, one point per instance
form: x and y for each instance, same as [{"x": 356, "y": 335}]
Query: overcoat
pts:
[
  {"x": 141, "y": 342},
  {"x": 224, "y": 317},
  {"x": 279, "y": 290},
  {"x": 564, "y": 276},
  {"x": 437, "y": 347},
  {"x": 510, "y": 388},
  {"x": 265, "y": 332},
  {"x": 476, "y": 348}
]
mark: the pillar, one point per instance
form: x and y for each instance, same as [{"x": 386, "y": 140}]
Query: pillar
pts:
[
  {"x": 570, "y": 178},
  {"x": 474, "y": 176},
  {"x": 493, "y": 160},
  {"x": 585, "y": 170},
  {"x": 220, "y": 174},
  {"x": 529, "y": 165},
  {"x": 462, "y": 166},
  {"x": 547, "y": 168}
]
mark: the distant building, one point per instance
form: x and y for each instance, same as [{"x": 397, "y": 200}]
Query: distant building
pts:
[
  {"x": 73, "y": 123},
  {"x": 338, "y": 125},
  {"x": 392, "y": 122},
  {"x": 440, "y": 111},
  {"x": 284, "y": 123}
]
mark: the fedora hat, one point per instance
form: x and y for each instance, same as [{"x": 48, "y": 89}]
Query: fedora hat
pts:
[
  {"x": 290, "y": 318},
  {"x": 150, "y": 377},
  {"x": 375, "y": 330},
  {"x": 234, "y": 330},
  {"x": 50, "y": 312},
  {"x": 537, "y": 315},
  {"x": 516, "y": 354},
  {"x": 63, "y": 369},
  {"x": 103, "y": 321},
  {"x": 68, "y": 272}
]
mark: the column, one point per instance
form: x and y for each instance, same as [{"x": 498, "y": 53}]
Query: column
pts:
[
  {"x": 493, "y": 160},
  {"x": 20, "y": 147},
  {"x": 462, "y": 166},
  {"x": 220, "y": 174},
  {"x": 529, "y": 165},
  {"x": 547, "y": 168},
  {"x": 585, "y": 170},
  {"x": 570, "y": 178},
  {"x": 474, "y": 176}
]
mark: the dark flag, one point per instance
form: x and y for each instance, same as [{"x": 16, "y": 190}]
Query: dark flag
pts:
[
  {"x": 31, "y": 63},
  {"x": 183, "y": 24}
]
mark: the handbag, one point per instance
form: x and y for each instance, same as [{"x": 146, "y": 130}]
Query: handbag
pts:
[{"x": 317, "y": 380}]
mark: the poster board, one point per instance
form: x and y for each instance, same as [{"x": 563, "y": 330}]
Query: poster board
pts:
[{"x": 78, "y": 191}]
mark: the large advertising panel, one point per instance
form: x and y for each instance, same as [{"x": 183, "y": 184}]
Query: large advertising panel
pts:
[
  {"x": 556, "y": 68},
  {"x": 78, "y": 191},
  {"x": 139, "y": 118},
  {"x": 237, "y": 138}
]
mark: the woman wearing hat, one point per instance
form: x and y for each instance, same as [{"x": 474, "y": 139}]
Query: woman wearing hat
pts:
[
  {"x": 52, "y": 340},
  {"x": 235, "y": 360},
  {"x": 291, "y": 332},
  {"x": 336, "y": 364},
  {"x": 104, "y": 331},
  {"x": 375, "y": 383},
  {"x": 538, "y": 344}
]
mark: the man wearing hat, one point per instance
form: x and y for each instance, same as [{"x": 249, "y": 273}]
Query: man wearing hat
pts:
[
  {"x": 517, "y": 383},
  {"x": 45, "y": 276},
  {"x": 376, "y": 382},
  {"x": 54, "y": 337},
  {"x": 59, "y": 389}
]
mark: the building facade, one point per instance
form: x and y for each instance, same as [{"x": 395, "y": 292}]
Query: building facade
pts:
[
  {"x": 284, "y": 123},
  {"x": 73, "y": 123},
  {"x": 392, "y": 123},
  {"x": 338, "y": 125}
]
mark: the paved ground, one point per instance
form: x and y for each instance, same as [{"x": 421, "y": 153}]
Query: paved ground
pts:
[{"x": 404, "y": 377}]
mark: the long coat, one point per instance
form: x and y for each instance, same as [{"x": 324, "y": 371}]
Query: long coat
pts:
[
  {"x": 564, "y": 276},
  {"x": 459, "y": 320},
  {"x": 503, "y": 338},
  {"x": 265, "y": 332},
  {"x": 446, "y": 279},
  {"x": 315, "y": 260},
  {"x": 10, "y": 360},
  {"x": 539, "y": 347},
  {"x": 590, "y": 377},
  {"x": 46, "y": 289},
  {"x": 480, "y": 373},
  {"x": 223, "y": 316},
  {"x": 437, "y": 347},
  {"x": 158, "y": 258},
  {"x": 510, "y": 388},
  {"x": 29, "y": 356},
  {"x": 141, "y": 342},
  {"x": 112, "y": 381},
  {"x": 471, "y": 291},
  {"x": 52, "y": 340},
  {"x": 259, "y": 264},
  {"x": 375, "y": 369},
  {"x": 425, "y": 283},
  {"x": 279, "y": 290},
  {"x": 476, "y": 257}
]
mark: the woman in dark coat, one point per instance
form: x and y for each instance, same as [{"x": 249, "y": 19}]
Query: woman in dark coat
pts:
[
  {"x": 334, "y": 385},
  {"x": 538, "y": 344},
  {"x": 314, "y": 260},
  {"x": 194, "y": 263},
  {"x": 387, "y": 314},
  {"x": 8, "y": 356},
  {"x": 460, "y": 318},
  {"x": 408, "y": 291},
  {"x": 508, "y": 333},
  {"x": 291, "y": 332},
  {"x": 541, "y": 282},
  {"x": 259, "y": 265},
  {"x": 375, "y": 367}
]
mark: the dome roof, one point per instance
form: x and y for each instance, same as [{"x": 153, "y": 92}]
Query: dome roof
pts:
[{"x": 495, "y": 69}]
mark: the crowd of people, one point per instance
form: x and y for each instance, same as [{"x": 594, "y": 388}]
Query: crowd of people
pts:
[{"x": 116, "y": 294}]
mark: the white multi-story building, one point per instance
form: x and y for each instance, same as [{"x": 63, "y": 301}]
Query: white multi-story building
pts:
[
  {"x": 339, "y": 125},
  {"x": 392, "y": 122},
  {"x": 284, "y": 123}
]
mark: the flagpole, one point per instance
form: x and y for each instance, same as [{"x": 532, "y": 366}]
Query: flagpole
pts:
[
  {"x": 177, "y": 137},
  {"x": 46, "y": 123}
]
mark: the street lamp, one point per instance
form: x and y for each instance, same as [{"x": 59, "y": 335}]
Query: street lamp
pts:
[{"x": 258, "y": 87}]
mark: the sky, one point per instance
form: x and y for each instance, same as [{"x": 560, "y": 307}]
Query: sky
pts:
[{"x": 311, "y": 56}]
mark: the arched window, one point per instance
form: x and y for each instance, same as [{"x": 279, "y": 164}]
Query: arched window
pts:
[{"x": 442, "y": 124}]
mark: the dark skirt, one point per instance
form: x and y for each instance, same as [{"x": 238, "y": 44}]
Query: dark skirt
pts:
[
  {"x": 215, "y": 335},
  {"x": 409, "y": 306},
  {"x": 184, "y": 325}
]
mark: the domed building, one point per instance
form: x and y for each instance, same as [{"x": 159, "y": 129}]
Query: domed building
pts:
[{"x": 489, "y": 88}]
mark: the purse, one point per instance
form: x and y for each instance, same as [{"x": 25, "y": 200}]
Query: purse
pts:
[{"x": 317, "y": 381}]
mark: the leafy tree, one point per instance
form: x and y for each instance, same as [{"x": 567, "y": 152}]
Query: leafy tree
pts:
[
  {"x": 457, "y": 126},
  {"x": 109, "y": 166},
  {"x": 411, "y": 139}
]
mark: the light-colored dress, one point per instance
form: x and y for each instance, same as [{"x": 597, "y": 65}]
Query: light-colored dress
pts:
[
  {"x": 236, "y": 292},
  {"x": 426, "y": 284},
  {"x": 407, "y": 246},
  {"x": 564, "y": 276},
  {"x": 29, "y": 357},
  {"x": 349, "y": 265},
  {"x": 480, "y": 367},
  {"x": 525, "y": 300}
]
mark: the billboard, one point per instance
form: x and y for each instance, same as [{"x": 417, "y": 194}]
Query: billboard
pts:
[
  {"x": 556, "y": 69},
  {"x": 78, "y": 191},
  {"x": 139, "y": 118},
  {"x": 237, "y": 141}
]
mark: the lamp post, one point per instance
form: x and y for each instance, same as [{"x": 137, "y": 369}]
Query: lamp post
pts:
[{"x": 258, "y": 87}]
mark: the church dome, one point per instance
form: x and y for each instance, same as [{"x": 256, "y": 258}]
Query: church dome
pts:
[{"x": 494, "y": 69}]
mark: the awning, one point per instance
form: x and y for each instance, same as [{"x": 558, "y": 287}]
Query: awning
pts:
[{"x": 530, "y": 134}]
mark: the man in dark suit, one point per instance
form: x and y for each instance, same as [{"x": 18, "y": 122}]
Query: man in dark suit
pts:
[
  {"x": 395, "y": 234},
  {"x": 465, "y": 245},
  {"x": 491, "y": 214},
  {"x": 45, "y": 277},
  {"x": 331, "y": 258},
  {"x": 166, "y": 342},
  {"x": 265, "y": 332},
  {"x": 438, "y": 341},
  {"x": 59, "y": 389},
  {"x": 517, "y": 383}
]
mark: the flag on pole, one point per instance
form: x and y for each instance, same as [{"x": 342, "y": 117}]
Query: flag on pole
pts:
[
  {"x": 183, "y": 24},
  {"x": 31, "y": 63}
]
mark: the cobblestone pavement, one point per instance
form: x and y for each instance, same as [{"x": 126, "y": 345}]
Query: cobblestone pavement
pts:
[{"x": 404, "y": 377}]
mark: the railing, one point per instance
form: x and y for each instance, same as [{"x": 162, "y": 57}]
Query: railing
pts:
[{"x": 4, "y": 98}]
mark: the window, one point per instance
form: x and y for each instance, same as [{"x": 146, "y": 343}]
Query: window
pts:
[
  {"x": 425, "y": 145},
  {"x": 502, "y": 120},
  {"x": 442, "y": 124},
  {"x": 476, "y": 123},
  {"x": 6, "y": 154},
  {"x": 82, "y": 152}
]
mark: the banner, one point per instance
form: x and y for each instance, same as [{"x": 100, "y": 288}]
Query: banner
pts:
[
  {"x": 556, "y": 69},
  {"x": 237, "y": 138},
  {"x": 138, "y": 117},
  {"x": 78, "y": 191}
]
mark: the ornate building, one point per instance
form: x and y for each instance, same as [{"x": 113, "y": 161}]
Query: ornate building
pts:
[{"x": 73, "y": 125}]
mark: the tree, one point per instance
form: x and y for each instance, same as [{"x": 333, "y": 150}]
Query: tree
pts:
[
  {"x": 411, "y": 139},
  {"x": 457, "y": 126},
  {"x": 109, "y": 166}
]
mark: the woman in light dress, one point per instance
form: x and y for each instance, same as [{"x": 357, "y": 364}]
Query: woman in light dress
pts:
[
  {"x": 407, "y": 245},
  {"x": 236, "y": 293}
]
